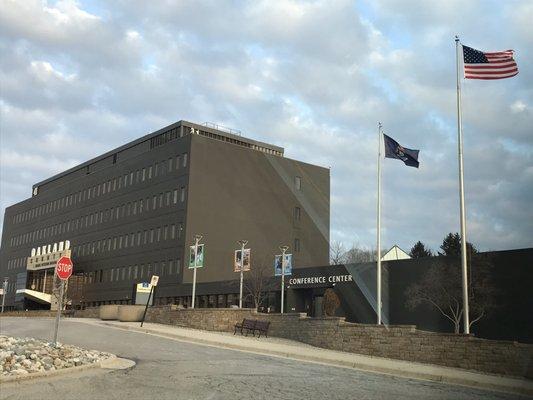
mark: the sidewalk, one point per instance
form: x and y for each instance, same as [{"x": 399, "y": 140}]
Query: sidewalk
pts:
[{"x": 300, "y": 351}]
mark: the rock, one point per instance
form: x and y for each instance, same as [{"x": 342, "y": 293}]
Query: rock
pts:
[{"x": 19, "y": 371}]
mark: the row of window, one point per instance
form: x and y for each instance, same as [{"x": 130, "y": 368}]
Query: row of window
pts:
[
  {"x": 133, "y": 239},
  {"x": 134, "y": 272},
  {"x": 111, "y": 214},
  {"x": 238, "y": 142},
  {"x": 134, "y": 177},
  {"x": 171, "y": 134},
  {"x": 15, "y": 263}
]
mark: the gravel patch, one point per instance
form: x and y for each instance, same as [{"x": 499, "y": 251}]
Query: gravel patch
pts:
[{"x": 23, "y": 356}]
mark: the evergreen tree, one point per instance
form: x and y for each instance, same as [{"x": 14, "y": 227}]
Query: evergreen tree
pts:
[
  {"x": 451, "y": 246},
  {"x": 420, "y": 250}
]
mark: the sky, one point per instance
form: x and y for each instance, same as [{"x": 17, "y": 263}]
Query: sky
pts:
[{"x": 78, "y": 78}]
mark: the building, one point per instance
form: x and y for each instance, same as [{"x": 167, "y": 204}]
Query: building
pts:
[
  {"x": 134, "y": 211},
  {"x": 395, "y": 253},
  {"x": 508, "y": 273}
]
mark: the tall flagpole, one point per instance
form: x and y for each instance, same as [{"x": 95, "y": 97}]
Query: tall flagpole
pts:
[
  {"x": 458, "y": 50},
  {"x": 378, "y": 250}
]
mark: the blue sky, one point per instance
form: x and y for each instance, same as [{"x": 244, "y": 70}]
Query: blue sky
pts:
[{"x": 314, "y": 77}]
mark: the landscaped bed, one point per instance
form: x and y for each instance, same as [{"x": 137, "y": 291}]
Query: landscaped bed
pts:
[{"x": 24, "y": 356}]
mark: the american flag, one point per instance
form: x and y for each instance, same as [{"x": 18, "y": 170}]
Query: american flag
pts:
[{"x": 493, "y": 65}]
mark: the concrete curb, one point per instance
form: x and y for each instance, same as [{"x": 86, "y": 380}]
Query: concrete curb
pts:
[
  {"x": 58, "y": 372},
  {"x": 394, "y": 367}
]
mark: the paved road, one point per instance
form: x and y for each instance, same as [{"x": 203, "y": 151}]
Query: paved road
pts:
[{"x": 169, "y": 369}]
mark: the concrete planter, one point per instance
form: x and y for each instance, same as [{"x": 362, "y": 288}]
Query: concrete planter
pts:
[
  {"x": 130, "y": 313},
  {"x": 109, "y": 311}
]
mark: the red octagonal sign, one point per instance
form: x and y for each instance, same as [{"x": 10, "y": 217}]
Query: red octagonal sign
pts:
[{"x": 64, "y": 268}]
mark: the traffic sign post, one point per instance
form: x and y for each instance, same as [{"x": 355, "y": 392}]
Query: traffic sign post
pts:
[
  {"x": 153, "y": 284},
  {"x": 4, "y": 292},
  {"x": 63, "y": 271}
]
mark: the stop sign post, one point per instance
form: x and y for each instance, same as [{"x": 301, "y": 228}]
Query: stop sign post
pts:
[{"x": 64, "y": 268}]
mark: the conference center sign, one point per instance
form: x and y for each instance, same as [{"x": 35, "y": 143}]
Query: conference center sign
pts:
[{"x": 319, "y": 280}]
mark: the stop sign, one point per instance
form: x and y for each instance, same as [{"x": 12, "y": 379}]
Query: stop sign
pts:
[{"x": 64, "y": 268}]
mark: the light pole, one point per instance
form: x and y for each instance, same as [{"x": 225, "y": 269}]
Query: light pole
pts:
[
  {"x": 242, "y": 243},
  {"x": 197, "y": 238},
  {"x": 4, "y": 292},
  {"x": 283, "y": 250}
]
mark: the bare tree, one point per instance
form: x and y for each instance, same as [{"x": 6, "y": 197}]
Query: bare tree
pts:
[
  {"x": 258, "y": 283},
  {"x": 337, "y": 253},
  {"x": 56, "y": 291},
  {"x": 440, "y": 287},
  {"x": 359, "y": 254}
]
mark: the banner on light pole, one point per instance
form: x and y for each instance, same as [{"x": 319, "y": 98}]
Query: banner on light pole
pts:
[
  {"x": 278, "y": 267},
  {"x": 237, "y": 261},
  {"x": 196, "y": 260}
]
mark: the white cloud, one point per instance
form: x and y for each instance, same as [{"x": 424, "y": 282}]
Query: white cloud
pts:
[{"x": 311, "y": 76}]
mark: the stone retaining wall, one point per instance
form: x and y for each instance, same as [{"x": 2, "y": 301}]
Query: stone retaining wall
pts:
[
  {"x": 209, "y": 319},
  {"x": 403, "y": 342}
]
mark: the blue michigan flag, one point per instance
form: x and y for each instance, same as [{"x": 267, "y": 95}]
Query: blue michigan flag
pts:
[{"x": 394, "y": 150}]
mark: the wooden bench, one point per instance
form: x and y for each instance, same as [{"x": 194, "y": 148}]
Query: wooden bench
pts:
[
  {"x": 246, "y": 324},
  {"x": 251, "y": 325}
]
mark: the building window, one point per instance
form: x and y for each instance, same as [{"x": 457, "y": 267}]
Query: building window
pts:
[
  {"x": 184, "y": 160},
  {"x": 175, "y": 198},
  {"x": 182, "y": 195},
  {"x": 170, "y": 165},
  {"x": 297, "y": 213},
  {"x": 298, "y": 183},
  {"x": 150, "y": 172},
  {"x": 296, "y": 245},
  {"x": 143, "y": 177},
  {"x": 177, "y": 162}
]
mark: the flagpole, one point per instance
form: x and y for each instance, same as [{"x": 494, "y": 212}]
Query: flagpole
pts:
[
  {"x": 378, "y": 245},
  {"x": 462, "y": 191}
]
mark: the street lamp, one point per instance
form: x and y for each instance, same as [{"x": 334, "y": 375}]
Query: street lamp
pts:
[
  {"x": 242, "y": 243},
  {"x": 197, "y": 238},
  {"x": 283, "y": 250}
]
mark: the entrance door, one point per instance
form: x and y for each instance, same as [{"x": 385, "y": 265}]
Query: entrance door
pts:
[{"x": 317, "y": 306}]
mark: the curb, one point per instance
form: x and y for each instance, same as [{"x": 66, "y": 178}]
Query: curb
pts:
[
  {"x": 455, "y": 376},
  {"x": 57, "y": 372}
]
